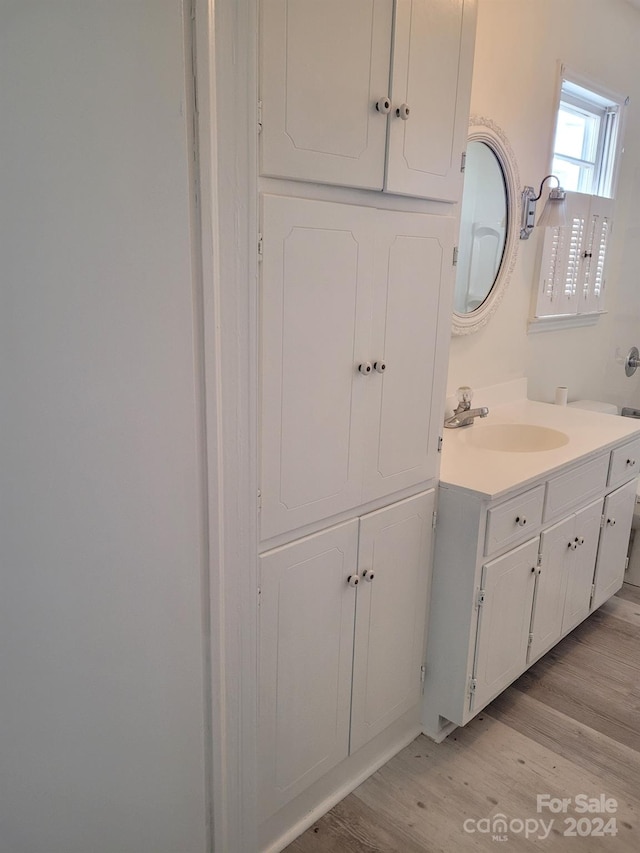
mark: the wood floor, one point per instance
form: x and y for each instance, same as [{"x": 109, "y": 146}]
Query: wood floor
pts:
[{"x": 568, "y": 726}]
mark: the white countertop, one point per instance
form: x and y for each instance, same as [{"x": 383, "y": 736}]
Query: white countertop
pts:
[{"x": 493, "y": 473}]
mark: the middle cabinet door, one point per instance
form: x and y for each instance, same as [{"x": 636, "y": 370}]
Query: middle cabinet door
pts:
[
  {"x": 412, "y": 285},
  {"x": 352, "y": 370}
]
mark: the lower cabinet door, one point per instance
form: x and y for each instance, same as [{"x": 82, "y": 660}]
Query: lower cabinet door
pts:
[
  {"x": 394, "y": 565},
  {"x": 503, "y": 622},
  {"x": 557, "y": 545},
  {"x": 614, "y": 542},
  {"x": 577, "y": 597},
  {"x": 305, "y": 662},
  {"x": 564, "y": 577}
]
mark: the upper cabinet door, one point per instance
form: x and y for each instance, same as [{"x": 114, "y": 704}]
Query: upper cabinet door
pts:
[
  {"x": 324, "y": 66},
  {"x": 412, "y": 275},
  {"x": 326, "y": 101},
  {"x": 316, "y": 272},
  {"x": 431, "y": 90}
]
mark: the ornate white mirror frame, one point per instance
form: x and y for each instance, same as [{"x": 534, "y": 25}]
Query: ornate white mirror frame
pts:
[{"x": 486, "y": 131}]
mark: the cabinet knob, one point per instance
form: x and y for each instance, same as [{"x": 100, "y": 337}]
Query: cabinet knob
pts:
[
  {"x": 368, "y": 575},
  {"x": 631, "y": 462},
  {"x": 611, "y": 522},
  {"x": 383, "y": 106},
  {"x": 573, "y": 545},
  {"x": 380, "y": 366},
  {"x": 521, "y": 520},
  {"x": 353, "y": 580},
  {"x": 580, "y": 540},
  {"x": 365, "y": 367},
  {"x": 403, "y": 112}
]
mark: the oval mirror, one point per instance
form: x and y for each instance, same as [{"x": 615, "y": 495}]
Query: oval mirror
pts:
[{"x": 488, "y": 226}]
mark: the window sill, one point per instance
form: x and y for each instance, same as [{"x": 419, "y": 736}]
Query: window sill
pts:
[{"x": 562, "y": 321}]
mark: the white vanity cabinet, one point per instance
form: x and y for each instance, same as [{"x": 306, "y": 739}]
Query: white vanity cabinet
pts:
[
  {"x": 355, "y": 315},
  {"x": 513, "y": 575},
  {"x": 339, "y": 662},
  {"x": 367, "y": 93}
]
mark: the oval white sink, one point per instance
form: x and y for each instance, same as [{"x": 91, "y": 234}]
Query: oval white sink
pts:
[{"x": 515, "y": 438}]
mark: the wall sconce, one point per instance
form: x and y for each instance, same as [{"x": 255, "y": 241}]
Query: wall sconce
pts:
[{"x": 553, "y": 214}]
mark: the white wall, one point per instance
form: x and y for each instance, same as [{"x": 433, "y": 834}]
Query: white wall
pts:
[
  {"x": 519, "y": 47},
  {"x": 101, "y": 544}
]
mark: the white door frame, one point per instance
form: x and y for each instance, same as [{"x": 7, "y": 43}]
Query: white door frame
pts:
[{"x": 225, "y": 69}]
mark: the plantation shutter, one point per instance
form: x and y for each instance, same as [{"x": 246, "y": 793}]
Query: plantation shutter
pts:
[
  {"x": 572, "y": 265},
  {"x": 598, "y": 232}
]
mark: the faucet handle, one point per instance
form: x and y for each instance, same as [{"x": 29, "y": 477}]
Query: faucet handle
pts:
[{"x": 465, "y": 394}]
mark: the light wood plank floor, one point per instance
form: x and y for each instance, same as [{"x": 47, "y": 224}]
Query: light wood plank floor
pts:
[{"x": 569, "y": 726}]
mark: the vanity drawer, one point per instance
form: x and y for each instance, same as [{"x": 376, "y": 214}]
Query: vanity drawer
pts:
[
  {"x": 513, "y": 520},
  {"x": 576, "y": 487},
  {"x": 625, "y": 463}
]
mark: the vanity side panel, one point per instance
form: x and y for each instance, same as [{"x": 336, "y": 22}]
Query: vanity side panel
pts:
[{"x": 453, "y": 614}]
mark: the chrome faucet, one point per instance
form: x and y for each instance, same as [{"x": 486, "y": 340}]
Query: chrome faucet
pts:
[{"x": 463, "y": 414}]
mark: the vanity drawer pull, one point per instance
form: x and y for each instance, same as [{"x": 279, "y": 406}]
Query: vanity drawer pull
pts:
[
  {"x": 521, "y": 520},
  {"x": 631, "y": 462}
]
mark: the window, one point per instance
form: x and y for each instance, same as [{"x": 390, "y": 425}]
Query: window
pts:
[
  {"x": 585, "y": 141},
  {"x": 572, "y": 279}
]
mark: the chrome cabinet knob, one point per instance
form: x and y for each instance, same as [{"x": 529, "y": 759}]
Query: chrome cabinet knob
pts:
[
  {"x": 365, "y": 368},
  {"x": 383, "y": 106}
]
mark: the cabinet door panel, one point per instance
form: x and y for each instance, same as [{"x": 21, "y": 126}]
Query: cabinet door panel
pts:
[
  {"x": 395, "y": 543},
  {"x": 305, "y": 659},
  {"x": 432, "y": 66},
  {"x": 614, "y": 541},
  {"x": 315, "y": 330},
  {"x": 324, "y": 65},
  {"x": 412, "y": 275},
  {"x": 556, "y": 551},
  {"x": 580, "y": 575},
  {"x": 503, "y": 622}
]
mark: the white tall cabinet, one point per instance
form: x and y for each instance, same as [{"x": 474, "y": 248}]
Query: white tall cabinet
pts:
[{"x": 355, "y": 291}]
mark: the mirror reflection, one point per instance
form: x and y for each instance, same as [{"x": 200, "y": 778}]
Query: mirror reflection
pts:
[{"x": 483, "y": 227}]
